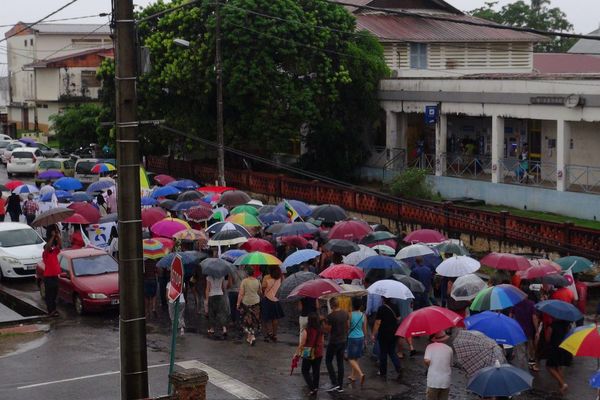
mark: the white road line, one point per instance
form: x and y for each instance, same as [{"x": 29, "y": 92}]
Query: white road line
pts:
[{"x": 225, "y": 382}]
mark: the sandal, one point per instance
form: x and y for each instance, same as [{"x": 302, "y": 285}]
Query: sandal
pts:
[
  {"x": 533, "y": 366},
  {"x": 351, "y": 379},
  {"x": 362, "y": 380}
]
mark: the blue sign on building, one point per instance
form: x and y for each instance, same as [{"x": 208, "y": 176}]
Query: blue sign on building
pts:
[{"x": 431, "y": 114}]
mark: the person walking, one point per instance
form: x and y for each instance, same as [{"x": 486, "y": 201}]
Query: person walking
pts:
[
  {"x": 271, "y": 310},
  {"x": 423, "y": 274},
  {"x": 554, "y": 334},
  {"x": 248, "y": 304},
  {"x": 384, "y": 331},
  {"x": 51, "y": 268},
  {"x": 101, "y": 204},
  {"x": 525, "y": 314},
  {"x": 356, "y": 340},
  {"x": 14, "y": 207},
  {"x": 306, "y": 305},
  {"x": 30, "y": 209},
  {"x": 337, "y": 324},
  {"x": 181, "y": 299},
  {"x": 438, "y": 359},
  {"x": 215, "y": 305},
  {"x": 310, "y": 348},
  {"x": 111, "y": 201},
  {"x": 47, "y": 189},
  {"x": 2, "y": 207},
  {"x": 235, "y": 280}
]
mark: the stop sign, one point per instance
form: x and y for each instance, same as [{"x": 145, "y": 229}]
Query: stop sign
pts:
[{"x": 176, "y": 278}]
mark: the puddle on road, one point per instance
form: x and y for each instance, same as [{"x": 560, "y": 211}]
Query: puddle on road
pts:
[{"x": 13, "y": 344}]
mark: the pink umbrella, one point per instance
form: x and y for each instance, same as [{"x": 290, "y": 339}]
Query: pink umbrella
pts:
[
  {"x": 315, "y": 289},
  {"x": 350, "y": 230},
  {"x": 152, "y": 215},
  {"x": 163, "y": 179},
  {"x": 86, "y": 210},
  {"x": 256, "y": 244},
  {"x": 169, "y": 227},
  {"x": 168, "y": 243},
  {"x": 76, "y": 219},
  {"x": 424, "y": 236},
  {"x": 342, "y": 271},
  {"x": 295, "y": 241},
  {"x": 427, "y": 321},
  {"x": 540, "y": 268},
  {"x": 506, "y": 261}
]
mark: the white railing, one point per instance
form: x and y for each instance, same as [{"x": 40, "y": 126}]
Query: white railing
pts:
[{"x": 583, "y": 178}]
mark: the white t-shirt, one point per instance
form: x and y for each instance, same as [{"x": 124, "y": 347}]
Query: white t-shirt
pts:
[
  {"x": 439, "y": 374},
  {"x": 216, "y": 286}
]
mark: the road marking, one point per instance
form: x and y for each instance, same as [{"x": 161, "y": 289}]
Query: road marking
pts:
[{"x": 225, "y": 382}]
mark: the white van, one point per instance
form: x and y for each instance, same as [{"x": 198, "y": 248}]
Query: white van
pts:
[{"x": 83, "y": 170}]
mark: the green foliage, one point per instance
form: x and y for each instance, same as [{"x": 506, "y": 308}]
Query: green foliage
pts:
[
  {"x": 76, "y": 126},
  {"x": 412, "y": 183},
  {"x": 538, "y": 15},
  {"x": 106, "y": 133}
]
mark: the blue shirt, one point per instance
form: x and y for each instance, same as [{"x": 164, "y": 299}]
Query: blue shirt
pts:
[
  {"x": 423, "y": 274},
  {"x": 356, "y": 325}
]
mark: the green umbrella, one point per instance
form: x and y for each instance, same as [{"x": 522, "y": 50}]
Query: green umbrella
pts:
[
  {"x": 380, "y": 236},
  {"x": 452, "y": 248},
  {"x": 244, "y": 208},
  {"x": 579, "y": 264},
  {"x": 258, "y": 258}
]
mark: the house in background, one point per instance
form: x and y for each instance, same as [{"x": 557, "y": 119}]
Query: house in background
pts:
[
  {"x": 4, "y": 98},
  {"x": 51, "y": 66},
  {"x": 587, "y": 46}
]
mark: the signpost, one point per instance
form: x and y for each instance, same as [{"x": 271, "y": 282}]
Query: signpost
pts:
[
  {"x": 175, "y": 289},
  {"x": 431, "y": 114}
]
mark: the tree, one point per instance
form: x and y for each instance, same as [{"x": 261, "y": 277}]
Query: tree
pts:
[
  {"x": 538, "y": 15},
  {"x": 76, "y": 126}
]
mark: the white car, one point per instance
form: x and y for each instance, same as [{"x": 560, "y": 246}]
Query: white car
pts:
[
  {"x": 83, "y": 170},
  {"x": 4, "y": 137},
  {"x": 24, "y": 160},
  {"x": 20, "y": 250},
  {"x": 7, "y": 152}
]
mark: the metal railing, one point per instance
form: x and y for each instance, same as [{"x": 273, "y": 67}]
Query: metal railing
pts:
[
  {"x": 583, "y": 178},
  {"x": 468, "y": 166},
  {"x": 396, "y": 159},
  {"x": 425, "y": 161},
  {"x": 536, "y": 173}
]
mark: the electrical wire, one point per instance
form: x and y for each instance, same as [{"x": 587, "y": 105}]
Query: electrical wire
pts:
[{"x": 64, "y": 19}]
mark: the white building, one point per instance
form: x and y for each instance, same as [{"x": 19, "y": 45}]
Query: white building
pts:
[{"x": 48, "y": 66}]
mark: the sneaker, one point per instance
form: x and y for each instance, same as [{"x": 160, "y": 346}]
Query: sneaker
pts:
[
  {"x": 333, "y": 388},
  {"x": 340, "y": 389}
]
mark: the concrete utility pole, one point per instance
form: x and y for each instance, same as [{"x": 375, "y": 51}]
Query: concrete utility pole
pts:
[
  {"x": 219, "y": 68},
  {"x": 132, "y": 319}
]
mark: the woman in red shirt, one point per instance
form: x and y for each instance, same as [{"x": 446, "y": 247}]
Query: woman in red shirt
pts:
[
  {"x": 310, "y": 349},
  {"x": 51, "y": 268}
]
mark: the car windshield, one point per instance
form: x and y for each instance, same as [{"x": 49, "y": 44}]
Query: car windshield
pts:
[
  {"x": 19, "y": 237},
  {"x": 85, "y": 167},
  {"x": 48, "y": 164},
  {"x": 95, "y": 265},
  {"x": 22, "y": 154}
]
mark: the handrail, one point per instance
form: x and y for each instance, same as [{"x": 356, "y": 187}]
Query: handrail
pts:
[{"x": 400, "y": 154}]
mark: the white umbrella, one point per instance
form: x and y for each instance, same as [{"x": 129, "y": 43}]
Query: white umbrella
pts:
[
  {"x": 414, "y": 250},
  {"x": 466, "y": 287},
  {"x": 384, "y": 250},
  {"x": 391, "y": 289},
  {"x": 456, "y": 266},
  {"x": 357, "y": 256}
]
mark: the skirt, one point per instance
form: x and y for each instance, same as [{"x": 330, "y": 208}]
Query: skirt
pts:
[
  {"x": 355, "y": 348},
  {"x": 218, "y": 311},
  {"x": 270, "y": 310},
  {"x": 251, "y": 318}
]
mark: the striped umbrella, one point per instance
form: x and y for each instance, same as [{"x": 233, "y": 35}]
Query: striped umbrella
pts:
[
  {"x": 497, "y": 298},
  {"x": 154, "y": 249},
  {"x": 101, "y": 168},
  {"x": 244, "y": 208},
  {"x": 258, "y": 258},
  {"x": 583, "y": 342},
  {"x": 25, "y": 189},
  {"x": 245, "y": 219},
  {"x": 192, "y": 235}
]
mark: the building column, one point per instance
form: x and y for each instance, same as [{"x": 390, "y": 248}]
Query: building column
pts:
[
  {"x": 563, "y": 140},
  {"x": 395, "y": 138},
  {"x": 497, "y": 148},
  {"x": 441, "y": 140}
]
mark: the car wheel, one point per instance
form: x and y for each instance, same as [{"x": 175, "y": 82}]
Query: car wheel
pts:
[
  {"x": 78, "y": 305},
  {"x": 42, "y": 289}
]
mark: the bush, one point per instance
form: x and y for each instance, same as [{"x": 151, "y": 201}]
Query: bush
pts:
[{"x": 412, "y": 182}]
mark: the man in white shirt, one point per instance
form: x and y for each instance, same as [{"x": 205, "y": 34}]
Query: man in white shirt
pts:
[
  {"x": 438, "y": 359},
  {"x": 46, "y": 189}
]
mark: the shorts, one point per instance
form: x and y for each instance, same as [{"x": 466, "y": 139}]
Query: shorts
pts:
[
  {"x": 355, "y": 348},
  {"x": 150, "y": 288}
]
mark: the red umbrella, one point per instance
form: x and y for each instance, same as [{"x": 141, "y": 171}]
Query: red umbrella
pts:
[
  {"x": 424, "y": 236},
  {"x": 256, "y": 244},
  {"x": 152, "y": 215},
  {"x": 87, "y": 211},
  {"x": 315, "y": 289},
  {"x": 295, "y": 241},
  {"x": 12, "y": 185},
  {"x": 427, "y": 321},
  {"x": 215, "y": 189},
  {"x": 342, "y": 271},
  {"x": 163, "y": 179},
  {"x": 199, "y": 213},
  {"x": 76, "y": 219},
  {"x": 294, "y": 365},
  {"x": 350, "y": 230},
  {"x": 540, "y": 268},
  {"x": 168, "y": 243},
  {"x": 505, "y": 261}
]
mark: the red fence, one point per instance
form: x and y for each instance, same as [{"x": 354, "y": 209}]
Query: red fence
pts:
[{"x": 564, "y": 238}]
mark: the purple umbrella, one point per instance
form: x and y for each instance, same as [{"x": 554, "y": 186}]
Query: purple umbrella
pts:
[
  {"x": 27, "y": 141},
  {"x": 50, "y": 174}
]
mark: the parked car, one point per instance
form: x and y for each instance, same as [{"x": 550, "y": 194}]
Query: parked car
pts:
[
  {"x": 83, "y": 170},
  {"x": 48, "y": 152},
  {"x": 7, "y": 152},
  {"x": 89, "y": 279},
  {"x": 5, "y": 138},
  {"x": 64, "y": 165},
  {"x": 20, "y": 250},
  {"x": 24, "y": 160}
]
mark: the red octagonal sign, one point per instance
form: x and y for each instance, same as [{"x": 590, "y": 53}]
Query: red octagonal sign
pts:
[{"x": 176, "y": 278}]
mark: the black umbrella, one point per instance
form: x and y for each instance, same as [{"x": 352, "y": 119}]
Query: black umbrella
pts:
[
  {"x": 555, "y": 280},
  {"x": 227, "y": 238},
  {"x": 341, "y": 246},
  {"x": 297, "y": 229},
  {"x": 380, "y": 228},
  {"x": 189, "y": 195},
  {"x": 232, "y": 198},
  {"x": 329, "y": 213},
  {"x": 227, "y": 226},
  {"x": 379, "y": 236},
  {"x": 411, "y": 283},
  {"x": 167, "y": 204},
  {"x": 216, "y": 267},
  {"x": 294, "y": 280},
  {"x": 275, "y": 228}
]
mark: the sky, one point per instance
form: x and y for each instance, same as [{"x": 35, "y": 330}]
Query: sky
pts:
[{"x": 581, "y": 13}]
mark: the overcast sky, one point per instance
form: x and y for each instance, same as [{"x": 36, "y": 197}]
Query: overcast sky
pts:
[{"x": 582, "y": 13}]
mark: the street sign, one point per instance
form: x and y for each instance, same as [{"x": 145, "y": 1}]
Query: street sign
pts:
[
  {"x": 431, "y": 114},
  {"x": 176, "y": 278}
]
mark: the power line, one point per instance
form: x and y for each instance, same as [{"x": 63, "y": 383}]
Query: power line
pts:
[{"x": 64, "y": 19}]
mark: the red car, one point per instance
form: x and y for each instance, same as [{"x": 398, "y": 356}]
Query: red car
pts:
[{"x": 89, "y": 279}]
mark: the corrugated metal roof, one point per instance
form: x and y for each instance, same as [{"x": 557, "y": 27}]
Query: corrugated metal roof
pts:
[
  {"x": 414, "y": 29},
  {"x": 56, "y": 29},
  {"x": 587, "y": 45},
  {"x": 103, "y": 51},
  {"x": 564, "y": 63}
]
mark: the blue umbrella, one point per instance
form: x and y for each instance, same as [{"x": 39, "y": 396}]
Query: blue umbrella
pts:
[
  {"x": 497, "y": 326},
  {"x": 297, "y": 228},
  {"x": 500, "y": 380},
  {"x": 272, "y": 218},
  {"x": 60, "y": 195},
  {"x": 560, "y": 310},
  {"x": 81, "y": 196},
  {"x": 301, "y": 208},
  {"x": 378, "y": 262},
  {"x": 67, "y": 183},
  {"x": 50, "y": 174},
  {"x": 298, "y": 257},
  {"x": 190, "y": 260},
  {"x": 595, "y": 380},
  {"x": 185, "y": 205},
  {"x": 165, "y": 191},
  {"x": 232, "y": 255},
  {"x": 99, "y": 186},
  {"x": 27, "y": 141},
  {"x": 25, "y": 189},
  {"x": 148, "y": 201},
  {"x": 184, "y": 184}
]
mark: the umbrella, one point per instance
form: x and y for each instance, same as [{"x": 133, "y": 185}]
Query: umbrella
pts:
[
  {"x": 256, "y": 244},
  {"x": 342, "y": 271},
  {"x": 457, "y": 266},
  {"x": 293, "y": 281},
  {"x": 329, "y": 213},
  {"x": 266, "y": 209},
  {"x": 375, "y": 237},
  {"x": 412, "y": 284},
  {"x": 152, "y": 215},
  {"x": 215, "y": 189},
  {"x": 52, "y": 216},
  {"x": 382, "y": 262},
  {"x": 349, "y": 230},
  {"x": 244, "y": 219},
  {"x": 232, "y": 198},
  {"x": 579, "y": 264},
  {"x": 341, "y": 246},
  {"x": 27, "y": 141},
  {"x": 199, "y": 213},
  {"x": 211, "y": 199},
  {"x": 165, "y": 191},
  {"x": 228, "y": 237},
  {"x": 297, "y": 228},
  {"x": 169, "y": 227},
  {"x": 183, "y": 206},
  {"x": 272, "y": 218},
  {"x": 88, "y": 211},
  {"x": 190, "y": 260},
  {"x": 505, "y": 261},
  {"x": 26, "y": 189},
  {"x": 497, "y": 298},
  {"x": 50, "y": 174},
  {"x": 189, "y": 195},
  {"x": 76, "y": 219},
  {"x": 427, "y": 321},
  {"x": 347, "y": 291},
  {"x": 414, "y": 250},
  {"x": 220, "y": 214},
  {"x": 595, "y": 380},
  {"x": 362, "y": 253},
  {"x": 314, "y": 289},
  {"x": 583, "y": 342},
  {"x": 112, "y": 217},
  {"x": 216, "y": 267},
  {"x": 148, "y": 201},
  {"x": 299, "y": 257},
  {"x": 466, "y": 287},
  {"x": 384, "y": 250},
  {"x": 449, "y": 247},
  {"x": 66, "y": 183},
  {"x": 295, "y": 241},
  {"x": 540, "y": 268},
  {"x": 191, "y": 235},
  {"x": 163, "y": 179},
  {"x": 500, "y": 380},
  {"x": 233, "y": 254},
  {"x": 294, "y": 365},
  {"x": 154, "y": 249},
  {"x": 258, "y": 258},
  {"x": 184, "y": 184},
  {"x": 391, "y": 289},
  {"x": 81, "y": 196},
  {"x": 59, "y": 194},
  {"x": 101, "y": 168},
  {"x": 4, "y": 189},
  {"x": 424, "y": 236},
  {"x": 12, "y": 185},
  {"x": 100, "y": 186},
  {"x": 167, "y": 204},
  {"x": 556, "y": 280},
  {"x": 169, "y": 243},
  {"x": 497, "y": 326},
  {"x": 475, "y": 351},
  {"x": 245, "y": 208},
  {"x": 227, "y": 226},
  {"x": 303, "y": 210},
  {"x": 560, "y": 310}
]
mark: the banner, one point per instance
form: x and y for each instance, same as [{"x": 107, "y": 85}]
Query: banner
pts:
[{"x": 99, "y": 234}]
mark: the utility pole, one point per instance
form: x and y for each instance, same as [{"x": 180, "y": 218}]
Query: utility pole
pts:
[
  {"x": 219, "y": 68},
  {"x": 132, "y": 318}
]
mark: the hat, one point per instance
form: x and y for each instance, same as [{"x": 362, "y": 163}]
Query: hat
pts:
[{"x": 440, "y": 337}]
